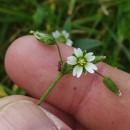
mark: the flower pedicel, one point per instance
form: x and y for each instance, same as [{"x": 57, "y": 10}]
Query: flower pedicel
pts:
[{"x": 79, "y": 62}]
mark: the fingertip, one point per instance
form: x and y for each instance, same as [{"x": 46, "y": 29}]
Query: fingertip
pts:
[
  {"x": 24, "y": 114},
  {"x": 28, "y": 52},
  {"x": 26, "y": 58}
]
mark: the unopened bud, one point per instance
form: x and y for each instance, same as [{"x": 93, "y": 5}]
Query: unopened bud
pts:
[
  {"x": 111, "y": 86},
  {"x": 45, "y": 38}
]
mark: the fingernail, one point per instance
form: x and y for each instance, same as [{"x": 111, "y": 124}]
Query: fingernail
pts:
[
  {"x": 24, "y": 115},
  {"x": 58, "y": 123}
]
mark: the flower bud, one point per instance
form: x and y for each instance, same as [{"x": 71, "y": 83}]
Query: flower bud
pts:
[
  {"x": 111, "y": 86},
  {"x": 45, "y": 38}
]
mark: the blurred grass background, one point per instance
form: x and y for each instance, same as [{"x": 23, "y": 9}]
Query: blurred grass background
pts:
[{"x": 102, "y": 26}]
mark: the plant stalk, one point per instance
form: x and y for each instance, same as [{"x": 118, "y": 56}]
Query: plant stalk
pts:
[
  {"x": 99, "y": 74},
  {"x": 49, "y": 89},
  {"x": 61, "y": 60}
]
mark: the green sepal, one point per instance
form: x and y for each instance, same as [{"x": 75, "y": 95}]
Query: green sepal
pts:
[
  {"x": 111, "y": 86},
  {"x": 66, "y": 68},
  {"x": 45, "y": 38},
  {"x": 98, "y": 59}
]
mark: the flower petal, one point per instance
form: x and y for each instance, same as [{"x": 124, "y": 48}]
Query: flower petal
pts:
[
  {"x": 66, "y": 35},
  {"x": 69, "y": 42},
  {"x": 77, "y": 71},
  {"x": 93, "y": 66},
  {"x": 89, "y": 56},
  {"x": 72, "y": 60},
  {"x": 56, "y": 34},
  {"x": 90, "y": 67},
  {"x": 78, "y": 52}
]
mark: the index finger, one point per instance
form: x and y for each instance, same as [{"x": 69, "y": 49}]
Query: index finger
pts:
[{"x": 33, "y": 66}]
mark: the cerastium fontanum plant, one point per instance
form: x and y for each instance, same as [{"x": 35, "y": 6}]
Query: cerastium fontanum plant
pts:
[{"x": 79, "y": 62}]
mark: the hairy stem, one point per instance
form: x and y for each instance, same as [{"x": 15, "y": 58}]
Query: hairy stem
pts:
[
  {"x": 50, "y": 88},
  {"x": 99, "y": 74},
  {"x": 61, "y": 61}
]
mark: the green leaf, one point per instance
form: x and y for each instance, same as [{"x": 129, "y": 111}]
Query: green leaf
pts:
[
  {"x": 7, "y": 90},
  {"x": 87, "y": 43},
  {"x": 111, "y": 85},
  {"x": 126, "y": 51},
  {"x": 38, "y": 16},
  {"x": 98, "y": 59},
  {"x": 71, "y": 6},
  {"x": 2, "y": 91},
  {"x": 67, "y": 25}
]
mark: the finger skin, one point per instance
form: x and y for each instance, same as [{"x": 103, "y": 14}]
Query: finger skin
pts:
[
  {"x": 18, "y": 113},
  {"x": 66, "y": 118},
  {"x": 18, "y": 116},
  {"x": 33, "y": 66},
  {"x": 63, "y": 118}
]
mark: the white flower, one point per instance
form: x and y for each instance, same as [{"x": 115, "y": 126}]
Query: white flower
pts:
[
  {"x": 62, "y": 37},
  {"x": 82, "y": 62}
]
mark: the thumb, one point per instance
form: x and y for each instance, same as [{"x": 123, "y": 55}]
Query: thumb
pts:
[{"x": 24, "y": 115}]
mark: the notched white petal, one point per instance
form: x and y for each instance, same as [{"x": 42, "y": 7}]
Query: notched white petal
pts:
[
  {"x": 72, "y": 60},
  {"x": 90, "y": 67},
  {"x": 89, "y": 54},
  {"x": 77, "y": 71},
  {"x": 69, "y": 42},
  {"x": 78, "y": 52},
  {"x": 56, "y": 34},
  {"x": 65, "y": 34},
  {"x": 93, "y": 66},
  {"x": 89, "y": 58}
]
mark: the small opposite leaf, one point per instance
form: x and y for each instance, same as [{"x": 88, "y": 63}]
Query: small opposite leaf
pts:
[
  {"x": 112, "y": 86},
  {"x": 98, "y": 59},
  {"x": 46, "y": 38}
]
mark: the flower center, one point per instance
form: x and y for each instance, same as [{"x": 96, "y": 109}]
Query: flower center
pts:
[
  {"x": 81, "y": 61},
  {"x": 62, "y": 39}
]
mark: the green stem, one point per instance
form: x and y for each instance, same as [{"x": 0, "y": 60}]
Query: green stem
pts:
[
  {"x": 61, "y": 61},
  {"x": 50, "y": 88},
  {"x": 99, "y": 74}
]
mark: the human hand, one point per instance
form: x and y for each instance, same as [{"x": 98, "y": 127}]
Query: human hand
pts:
[{"x": 83, "y": 104}]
